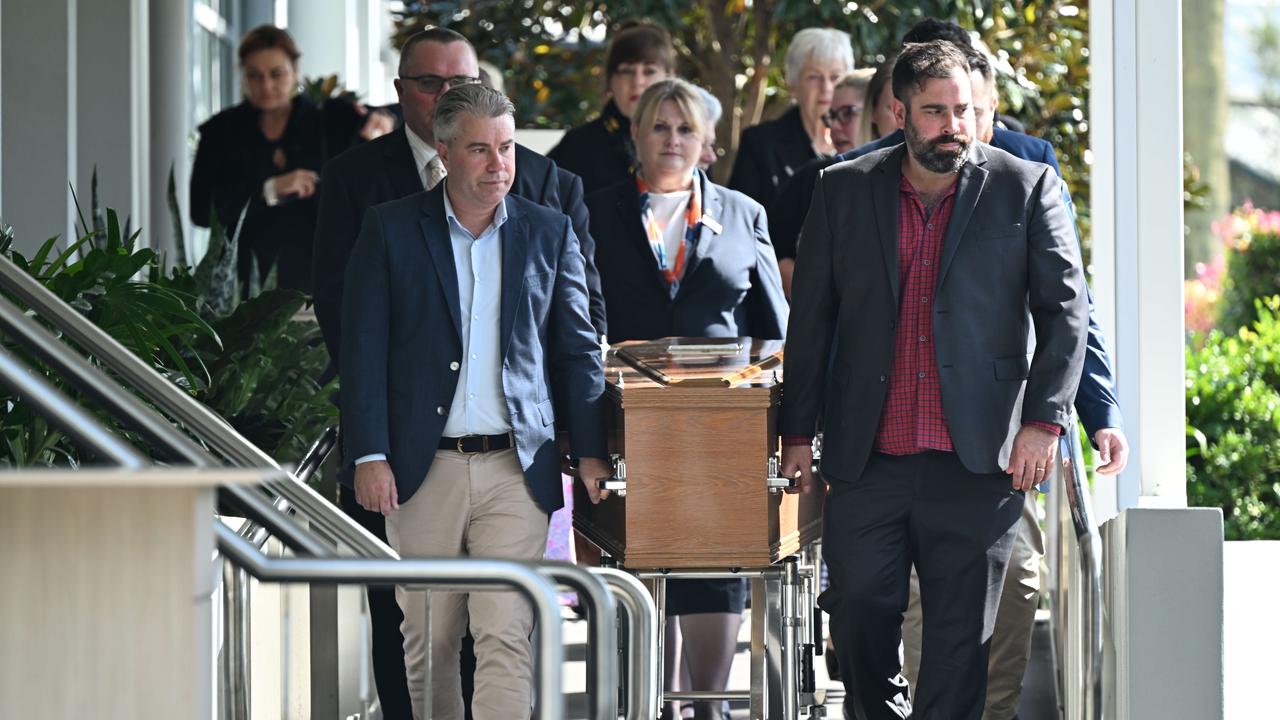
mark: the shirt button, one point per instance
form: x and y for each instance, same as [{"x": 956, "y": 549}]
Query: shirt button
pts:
[
  {"x": 882, "y": 378},
  {"x": 473, "y": 356},
  {"x": 472, "y": 396},
  {"x": 440, "y": 410},
  {"x": 920, "y": 374},
  {"x": 454, "y": 366},
  {"x": 922, "y": 338},
  {"x": 926, "y": 263},
  {"x": 475, "y": 317},
  {"x": 924, "y": 298},
  {"x": 930, "y": 226}
]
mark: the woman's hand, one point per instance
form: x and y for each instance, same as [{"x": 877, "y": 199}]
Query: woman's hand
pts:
[
  {"x": 376, "y": 123},
  {"x": 300, "y": 183}
]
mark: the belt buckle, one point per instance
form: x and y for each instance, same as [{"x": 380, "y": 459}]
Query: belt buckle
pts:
[{"x": 467, "y": 452}]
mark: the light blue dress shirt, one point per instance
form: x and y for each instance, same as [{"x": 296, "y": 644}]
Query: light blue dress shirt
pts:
[{"x": 479, "y": 404}]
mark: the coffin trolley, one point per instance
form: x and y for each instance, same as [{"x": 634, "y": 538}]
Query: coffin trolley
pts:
[{"x": 697, "y": 494}]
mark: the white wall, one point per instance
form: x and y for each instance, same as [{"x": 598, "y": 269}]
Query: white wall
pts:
[{"x": 1251, "y": 628}]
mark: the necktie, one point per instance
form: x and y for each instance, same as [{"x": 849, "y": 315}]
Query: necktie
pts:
[{"x": 435, "y": 172}]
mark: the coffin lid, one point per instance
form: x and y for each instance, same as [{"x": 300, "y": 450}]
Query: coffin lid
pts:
[{"x": 696, "y": 362}]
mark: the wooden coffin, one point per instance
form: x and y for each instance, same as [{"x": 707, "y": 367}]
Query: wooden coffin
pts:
[{"x": 694, "y": 419}]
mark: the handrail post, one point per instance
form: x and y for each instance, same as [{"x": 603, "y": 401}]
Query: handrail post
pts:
[
  {"x": 642, "y": 641},
  {"x": 1085, "y": 632},
  {"x": 603, "y": 626}
]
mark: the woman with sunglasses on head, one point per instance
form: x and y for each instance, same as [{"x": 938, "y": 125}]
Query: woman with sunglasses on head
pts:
[
  {"x": 262, "y": 157},
  {"x": 681, "y": 256},
  {"x": 786, "y": 214},
  {"x": 601, "y": 151}
]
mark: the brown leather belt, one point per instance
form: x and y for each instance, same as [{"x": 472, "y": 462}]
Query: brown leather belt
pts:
[{"x": 475, "y": 444}]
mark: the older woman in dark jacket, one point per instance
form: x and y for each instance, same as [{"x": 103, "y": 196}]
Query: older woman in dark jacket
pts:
[{"x": 681, "y": 256}]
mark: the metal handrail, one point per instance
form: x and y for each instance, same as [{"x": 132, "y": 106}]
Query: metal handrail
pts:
[
  {"x": 466, "y": 574},
  {"x": 176, "y": 403},
  {"x": 602, "y": 619},
  {"x": 1087, "y": 634},
  {"x": 55, "y": 407},
  {"x": 642, "y": 641}
]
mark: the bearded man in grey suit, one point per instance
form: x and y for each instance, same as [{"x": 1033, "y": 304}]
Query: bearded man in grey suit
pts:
[{"x": 923, "y": 270}]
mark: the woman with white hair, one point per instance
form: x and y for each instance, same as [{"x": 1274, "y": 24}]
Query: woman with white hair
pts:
[{"x": 770, "y": 152}]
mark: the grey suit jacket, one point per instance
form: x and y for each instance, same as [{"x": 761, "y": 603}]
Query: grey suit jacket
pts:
[
  {"x": 401, "y": 341},
  {"x": 1009, "y": 266}
]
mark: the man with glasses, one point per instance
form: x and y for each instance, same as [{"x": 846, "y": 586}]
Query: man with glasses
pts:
[{"x": 393, "y": 166}]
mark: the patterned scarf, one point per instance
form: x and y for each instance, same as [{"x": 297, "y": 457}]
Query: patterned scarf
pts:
[{"x": 692, "y": 224}]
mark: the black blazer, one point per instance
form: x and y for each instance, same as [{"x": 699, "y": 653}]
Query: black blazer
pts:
[
  {"x": 786, "y": 213},
  {"x": 1009, "y": 262},
  {"x": 731, "y": 286},
  {"x": 600, "y": 152},
  {"x": 233, "y": 161},
  {"x": 383, "y": 170},
  {"x": 768, "y": 154},
  {"x": 402, "y": 343}
]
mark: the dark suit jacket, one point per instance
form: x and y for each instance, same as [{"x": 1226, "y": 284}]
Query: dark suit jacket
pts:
[
  {"x": 232, "y": 162},
  {"x": 1096, "y": 401},
  {"x": 383, "y": 170},
  {"x": 731, "y": 286},
  {"x": 768, "y": 154},
  {"x": 1009, "y": 262},
  {"x": 401, "y": 323},
  {"x": 599, "y": 152}
]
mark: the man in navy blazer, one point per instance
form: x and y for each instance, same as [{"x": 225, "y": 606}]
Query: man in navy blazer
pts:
[
  {"x": 389, "y": 168},
  {"x": 466, "y": 343}
]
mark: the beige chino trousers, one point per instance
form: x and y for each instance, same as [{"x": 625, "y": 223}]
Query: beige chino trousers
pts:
[
  {"x": 1015, "y": 617},
  {"x": 469, "y": 506}
]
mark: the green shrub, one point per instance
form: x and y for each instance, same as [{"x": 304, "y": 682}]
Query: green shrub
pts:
[
  {"x": 1233, "y": 424},
  {"x": 1253, "y": 263}
]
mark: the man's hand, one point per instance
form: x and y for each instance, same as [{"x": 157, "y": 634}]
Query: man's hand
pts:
[
  {"x": 376, "y": 487},
  {"x": 1113, "y": 450},
  {"x": 592, "y": 471},
  {"x": 797, "y": 461},
  {"x": 376, "y": 123},
  {"x": 1033, "y": 452}
]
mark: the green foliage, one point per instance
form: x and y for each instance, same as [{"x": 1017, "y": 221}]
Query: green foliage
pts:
[
  {"x": 552, "y": 56},
  {"x": 251, "y": 362},
  {"x": 1253, "y": 265},
  {"x": 1233, "y": 425}
]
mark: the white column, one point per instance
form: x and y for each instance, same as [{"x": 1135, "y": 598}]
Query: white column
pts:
[
  {"x": 322, "y": 29},
  {"x": 1136, "y": 127},
  {"x": 38, "y": 48},
  {"x": 169, "y": 95},
  {"x": 111, "y": 104}
]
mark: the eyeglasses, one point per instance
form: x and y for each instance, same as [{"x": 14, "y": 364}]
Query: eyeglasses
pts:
[
  {"x": 841, "y": 115},
  {"x": 433, "y": 84}
]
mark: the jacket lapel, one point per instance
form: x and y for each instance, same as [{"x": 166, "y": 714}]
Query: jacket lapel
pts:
[
  {"x": 713, "y": 208},
  {"x": 885, "y": 201},
  {"x": 402, "y": 171},
  {"x": 515, "y": 244},
  {"x": 435, "y": 231},
  {"x": 969, "y": 188}
]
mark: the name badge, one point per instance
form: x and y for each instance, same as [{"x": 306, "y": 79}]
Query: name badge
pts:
[{"x": 711, "y": 223}]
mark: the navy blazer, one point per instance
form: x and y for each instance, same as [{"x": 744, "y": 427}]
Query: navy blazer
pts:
[
  {"x": 402, "y": 322},
  {"x": 1096, "y": 402},
  {"x": 383, "y": 170},
  {"x": 731, "y": 286}
]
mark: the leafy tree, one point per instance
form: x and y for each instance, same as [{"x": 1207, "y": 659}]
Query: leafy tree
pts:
[{"x": 552, "y": 55}]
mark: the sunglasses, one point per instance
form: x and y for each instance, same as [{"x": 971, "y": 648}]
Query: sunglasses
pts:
[
  {"x": 841, "y": 115},
  {"x": 433, "y": 84}
]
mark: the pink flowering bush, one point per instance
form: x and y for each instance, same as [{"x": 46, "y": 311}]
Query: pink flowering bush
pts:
[{"x": 1251, "y": 238}]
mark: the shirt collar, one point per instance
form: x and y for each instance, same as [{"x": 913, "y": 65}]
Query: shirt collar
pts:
[
  {"x": 499, "y": 214},
  {"x": 422, "y": 150}
]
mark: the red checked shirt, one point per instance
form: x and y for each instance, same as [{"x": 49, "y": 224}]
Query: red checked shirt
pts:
[{"x": 912, "y": 420}]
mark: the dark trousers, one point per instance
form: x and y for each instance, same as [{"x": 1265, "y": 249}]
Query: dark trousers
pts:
[
  {"x": 957, "y": 528},
  {"x": 385, "y": 616}
]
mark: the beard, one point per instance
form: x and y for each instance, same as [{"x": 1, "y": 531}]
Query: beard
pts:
[{"x": 931, "y": 157}]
